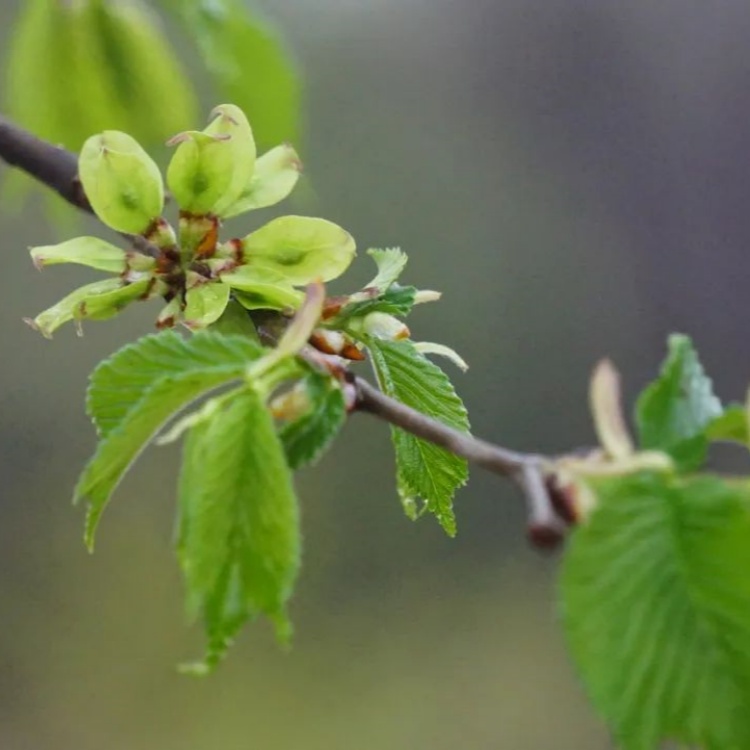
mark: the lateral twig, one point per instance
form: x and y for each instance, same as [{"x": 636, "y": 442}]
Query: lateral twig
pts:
[{"x": 57, "y": 168}]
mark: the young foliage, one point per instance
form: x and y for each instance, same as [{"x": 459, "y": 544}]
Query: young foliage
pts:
[
  {"x": 730, "y": 426},
  {"x": 239, "y": 537},
  {"x": 249, "y": 63},
  {"x": 306, "y": 436},
  {"x": 656, "y": 608},
  {"x": 673, "y": 413},
  {"x": 129, "y": 421},
  {"x": 424, "y": 470},
  {"x": 282, "y": 404}
]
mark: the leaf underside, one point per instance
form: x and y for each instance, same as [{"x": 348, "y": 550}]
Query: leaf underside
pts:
[
  {"x": 423, "y": 469},
  {"x": 656, "y": 608}
]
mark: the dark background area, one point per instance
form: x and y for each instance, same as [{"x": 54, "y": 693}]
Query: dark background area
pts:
[{"x": 573, "y": 175}]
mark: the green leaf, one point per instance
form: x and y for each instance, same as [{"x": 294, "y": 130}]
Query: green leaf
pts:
[
  {"x": 77, "y": 68},
  {"x": 730, "y": 426},
  {"x": 121, "y": 381},
  {"x": 673, "y": 412},
  {"x": 390, "y": 262},
  {"x": 656, "y": 608},
  {"x": 139, "y": 65},
  {"x": 122, "y": 182},
  {"x": 133, "y": 423},
  {"x": 397, "y": 300},
  {"x": 307, "y": 437},
  {"x": 239, "y": 540},
  {"x": 251, "y": 66},
  {"x": 276, "y": 173},
  {"x": 299, "y": 249},
  {"x": 424, "y": 470},
  {"x": 205, "y": 304},
  {"x": 32, "y": 92},
  {"x": 87, "y": 251},
  {"x": 235, "y": 320}
]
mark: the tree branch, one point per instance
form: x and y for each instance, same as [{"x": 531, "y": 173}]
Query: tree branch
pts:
[{"x": 57, "y": 168}]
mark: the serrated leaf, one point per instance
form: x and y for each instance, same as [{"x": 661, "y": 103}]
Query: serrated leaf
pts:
[
  {"x": 390, "y": 262},
  {"x": 673, "y": 412},
  {"x": 397, "y": 300},
  {"x": 424, "y": 470},
  {"x": 239, "y": 531},
  {"x": 115, "y": 453},
  {"x": 307, "y": 437},
  {"x": 86, "y": 251},
  {"x": 205, "y": 304},
  {"x": 299, "y": 249},
  {"x": 121, "y": 381},
  {"x": 275, "y": 175},
  {"x": 730, "y": 426},
  {"x": 656, "y": 607},
  {"x": 140, "y": 388}
]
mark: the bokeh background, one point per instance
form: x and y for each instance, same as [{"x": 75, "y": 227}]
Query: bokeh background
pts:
[{"x": 574, "y": 176}]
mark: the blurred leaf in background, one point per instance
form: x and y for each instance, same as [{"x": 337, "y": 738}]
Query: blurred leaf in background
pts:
[
  {"x": 81, "y": 67},
  {"x": 249, "y": 63}
]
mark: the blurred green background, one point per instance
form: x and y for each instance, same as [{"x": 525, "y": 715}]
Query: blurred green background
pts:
[{"x": 573, "y": 175}]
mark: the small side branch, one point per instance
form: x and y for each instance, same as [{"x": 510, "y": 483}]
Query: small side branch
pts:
[{"x": 57, "y": 168}]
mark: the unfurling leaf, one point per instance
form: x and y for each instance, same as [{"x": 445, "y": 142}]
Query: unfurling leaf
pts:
[
  {"x": 308, "y": 435},
  {"x": 428, "y": 347},
  {"x": 390, "y": 262},
  {"x": 239, "y": 537},
  {"x": 383, "y": 326},
  {"x": 673, "y": 413},
  {"x": 121, "y": 181},
  {"x": 299, "y": 249},
  {"x": 606, "y": 407},
  {"x": 656, "y": 606},
  {"x": 424, "y": 470},
  {"x": 86, "y": 251},
  {"x": 397, "y": 300},
  {"x": 210, "y": 168},
  {"x": 275, "y": 175}
]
